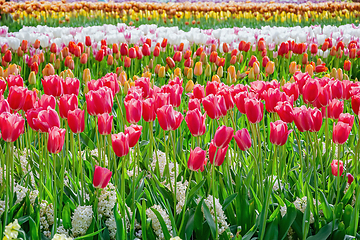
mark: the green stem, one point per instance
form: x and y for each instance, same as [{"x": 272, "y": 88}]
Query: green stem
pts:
[
  {"x": 175, "y": 176},
  {"x": 338, "y": 176},
  {"x": 55, "y": 195},
  {"x": 184, "y": 208},
  {"x": 214, "y": 205},
  {"x": 80, "y": 171}
]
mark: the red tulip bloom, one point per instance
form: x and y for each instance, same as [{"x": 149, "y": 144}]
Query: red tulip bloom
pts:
[
  {"x": 15, "y": 80},
  {"x": 71, "y": 86},
  {"x": 99, "y": 101},
  {"x": 211, "y": 106},
  {"x": 146, "y": 51},
  {"x": 134, "y": 110},
  {"x": 220, "y": 154},
  {"x": 170, "y": 62},
  {"x": 341, "y": 132},
  {"x": 132, "y": 53},
  {"x": 120, "y": 144},
  {"x": 16, "y": 97},
  {"x": 316, "y": 117},
  {"x": 177, "y": 56},
  {"x": 279, "y": 133},
  {"x": 4, "y": 106},
  {"x": 337, "y": 89},
  {"x": 240, "y": 101},
  {"x": 134, "y": 132},
  {"x": 46, "y": 101},
  {"x": 272, "y": 97},
  {"x": 99, "y": 55},
  {"x": 30, "y": 100},
  {"x": 11, "y": 126},
  {"x": 197, "y": 159},
  {"x": 229, "y": 102},
  {"x": 76, "y": 120},
  {"x": 314, "y": 49},
  {"x": 56, "y": 140},
  {"x": 2, "y": 86},
  {"x": 350, "y": 178},
  {"x": 168, "y": 118},
  {"x": 175, "y": 92},
  {"x": 253, "y": 59},
  {"x": 302, "y": 118},
  {"x": 243, "y": 139},
  {"x": 196, "y": 122},
  {"x": 30, "y": 115},
  {"x": 101, "y": 177},
  {"x": 291, "y": 89},
  {"x": 211, "y": 88},
  {"x": 34, "y": 67},
  {"x": 87, "y": 41},
  {"x": 46, "y": 119},
  {"x": 8, "y": 56},
  {"x": 254, "y": 110},
  {"x": 283, "y": 49},
  {"x": 335, "y": 108},
  {"x": 198, "y": 91},
  {"x": 335, "y": 165},
  {"x": 161, "y": 99},
  {"x": 194, "y": 104},
  {"x": 124, "y": 51},
  {"x": 105, "y": 123},
  {"x": 324, "y": 96},
  {"x": 52, "y": 85},
  {"x": 285, "y": 111},
  {"x": 110, "y": 81},
  {"x": 347, "y": 118},
  {"x": 67, "y": 103},
  {"x": 355, "y": 103},
  {"x": 347, "y": 65},
  {"x": 144, "y": 84},
  {"x": 148, "y": 110},
  {"x": 156, "y": 52},
  {"x": 223, "y": 136},
  {"x": 311, "y": 91},
  {"x": 213, "y": 57}
]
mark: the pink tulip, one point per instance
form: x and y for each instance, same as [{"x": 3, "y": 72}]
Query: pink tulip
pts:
[{"x": 101, "y": 177}]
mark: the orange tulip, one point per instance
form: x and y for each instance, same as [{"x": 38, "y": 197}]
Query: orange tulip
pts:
[
  {"x": 270, "y": 68},
  {"x": 292, "y": 67},
  {"x": 347, "y": 65},
  {"x": 189, "y": 86},
  {"x": 198, "y": 69},
  {"x": 48, "y": 70},
  {"x": 232, "y": 72}
]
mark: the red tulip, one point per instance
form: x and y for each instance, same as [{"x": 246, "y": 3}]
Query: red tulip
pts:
[
  {"x": 311, "y": 91},
  {"x": 156, "y": 52},
  {"x": 194, "y": 104},
  {"x": 30, "y": 100},
  {"x": 220, "y": 154},
  {"x": 101, "y": 177},
  {"x": 168, "y": 118},
  {"x": 243, "y": 139},
  {"x": 134, "y": 110},
  {"x": 196, "y": 159},
  {"x": 347, "y": 118},
  {"x": 223, "y": 136},
  {"x": 170, "y": 62},
  {"x": 32, "y": 114},
  {"x": 164, "y": 43},
  {"x": 302, "y": 118},
  {"x": 127, "y": 62},
  {"x": 15, "y": 80},
  {"x": 67, "y": 103},
  {"x": 76, "y": 120},
  {"x": 110, "y": 81},
  {"x": 211, "y": 106},
  {"x": 11, "y": 126},
  {"x": 34, "y": 67},
  {"x": 279, "y": 133},
  {"x": 177, "y": 56},
  {"x": 24, "y": 46},
  {"x": 316, "y": 117},
  {"x": 144, "y": 84},
  {"x": 46, "y": 101},
  {"x": 99, "y": 101},
  {"x": 132, "y": 53},
  {"x": 198, "y": 91},
  {"x": 314, "y": 48},
  {"x": 355, "y": 103},
  {"x": 134, "y": 132},
  {"x": 341, "y": 132},
  {"x": 46, "y": 119},
  {"x": 335, "y": 108},
  {"x": 16, "y": 97},
  {"x": 335, "y": 165},
  {"x": 87, "y": 41},
  {"x": 146, "y": 51},
  {"x": 324, "y": 96},
  {"x": 229, "y": 102},
  {"x": 148, "y": 113},
  {"x": 71, "y": 86},
  {"x": 196, "y": 122},
  {"x": 8, "y": 56},
  {"x": 105, "y": 123},
  {"x": 99, "y": 55},
  {"x": 52, "y": 85},
  {"x": 283, "y": 49},
  {"x": 261, "y": 45},
  {"x": 175, "y": 92},
  {"x": 199, "y": 51},
  {"x": 349, "y": 177},
  {"x": 213, "y": 57},
  {"x": 120, "y": 144},
  {"x": 240, "y": 101},
  {"x": 161, "y": 99},
  {"x": 272, "y": 97},
  {"x": 56, "y": 140},
  {"x": 321, "y": 68},
  {"x": 285, "y": 111},
  {"x": 253, "y": 59},
  {"x": 2, "y": 86},
  {"x": 4, "y": 106},
  {"x": 124, "y": 51},
  {"x": 254, "y": 110},
  {"x": 337, "y": 89},
  {"x": 347, "y": 65}
]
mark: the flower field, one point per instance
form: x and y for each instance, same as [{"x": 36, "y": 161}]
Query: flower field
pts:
[{"x": 223, "y": 121}]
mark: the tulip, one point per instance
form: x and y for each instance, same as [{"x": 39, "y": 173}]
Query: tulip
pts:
[
  {"x": 291, "y": 89},
  {"x": 341, "y": 132},
  {"x": 105, "y": 123},
  {"x": 285, "y": 111},
  {"x": 302, "y": 118},
  {"x": 148, "y": 107},
  {"x": 144, "y": 84},
  {"x": 168, "y": 118},
  {"x": 196, "y": 122},
  {"x": 46, "y": 119},
  {"x": 161, "y": 99},
  {"x": 46, "y": 101},
  {"x": 134, "y": 132},
  {"x": 4, "y": 106},
  {"x": 34, "y": 67},
  {"x": 87, "y": 41},
  {"x": 347, "y": 118},
  {"x": 177, "y": 56},
  {"x": 211, "y": 88},
  {"x": 11, "y": 126},
  {"x": 2, "y": 85},
  {"x": 335, "y": 108},
  {"x": 16, "y": 97},
  {"x": 30, "y": 99},
  {"x": 254, "y": 110},
  {"x": 15, "y": 80},
  {"x": 349, "y": 177},
  {"x": 110, "y": 81},
  {"x": 170, "y": 62},
  {"x": 175, "y": 92},
  {"x": 223, "y": 136},
  {"x": 243, "y": 139},
  {"x": 7, "y": 56},
  {"x": 52, "y": 85},
  {"x": 99, "y": 101},
  {"x": 198, "y": 69},
  {"x": 239, "y": 100},
  {"x": 211, "y": 106},
  {"x": 24, "y": 46},
  {"x": 347, "y": 65},
  {"x": 279, "y": 133},
  {"x": 316, "y": 118},
  {"x": 189, "y": 86},
  {"x": 56, "y": 140},
  {"x": 311, "y": 91},
  {"x": 99, "y": 55},
  {"x": 198, "y": 91},
  {"x": 283, "y": 49},
  {"x": 197, "y": 159},
  {"x": 335, "y": 165},
  {"x": 101, "y": 177},
  {"x": 120, "y": 144},
  {"x": 270, "y": 68},
  {"x": 220, "y": 154},
  {"x": 67, "y": 103},
  {"x": 76, "y": 120},
  {"x": 314, "y": 49},
  {"x": 71, "y": 86},
  {"x": 194, "y": 104},
  {"x": 134, "y": 110}
]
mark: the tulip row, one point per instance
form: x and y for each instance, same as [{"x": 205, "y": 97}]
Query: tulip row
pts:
[{"x": 223, "y": 14}]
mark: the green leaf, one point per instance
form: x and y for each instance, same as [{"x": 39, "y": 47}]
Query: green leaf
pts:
[
  {"x": 194, "y": 190},
  {"x": 189, "y": 225},
  {"x": 287, "y": 220},
  {"x": 272, "y": 231},
  {"x": 306, "y": 220},
  {"x": 209, "y": 220},
  {"x": 328, "y": 213},
  {"x": 90, "y": 235},
  {"x": 162, "y": 223},
  {"x": 324, "y": 232},
  {"x": 33, "y": 229},
  {"x": 66, "y": 216},
  {"x": 198, "y": 218},
  {"x": 228, "y": 200},
  {"x": 90, "y": 231},
  {"x": 347, "y": 214},
  {"x": 119, "y": 223}
]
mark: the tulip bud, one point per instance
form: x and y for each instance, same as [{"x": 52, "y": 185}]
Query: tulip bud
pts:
[
  {"x": 69, "y": 73},
  {"x": 207, "y": 71},
  {"x": 151, "y": 64},
  {"x": 305, "y": 60},
  {"x": 83, "y": 58},
  {"x": 189, "y": 86},
  {"x": 20, "y": 52},
  {"x": 339, "y": 74},
  {"x": 48, "y": 70},
  {"x": 256, "y": 68},
  {"x": 13, "y": 69},
  {"x": 213, "y": 67},
  {"x": 57, "y": 64},
  {"x": 126, "y": 87},
  {"x": 333, "y": 73},
  {"x": 232, "y": 72},
  {"x": 86, "y": 89},
  {"x": 220, "y": 72},
  {"x": 233, "y": 60},
  {"x": 32, "y": 78},
  {"x": 198, "y": 69},
  {"x": 270, "y": 67},
  {"x": 215, "y": 78},
  {"x": 1, "y": 72},
  {"x": 347, "y": 65},
  {"x": 189, "y": 74},
  {"x": 346, "y": 77},
  {"x": 319, "y": 62},
  {"x": 309, "y": 69},
  {"x": 177, "y": 72},
  {"x": 228, "y": 79},
  {"x": 110, "y": 60},
  {"x": 251, "y": 75},
  {"x": 161, "y": 72},
  {"x": 292, "y": 67},
  {"x": 86, "y": 75}
]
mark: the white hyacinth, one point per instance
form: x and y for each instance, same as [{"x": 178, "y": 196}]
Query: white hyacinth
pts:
[
  {"x": 107, "y": 200},
  {"x": 162, "y": 164},
  {"x": 221, "y": 218},
  {"x": 61, "y": 237},
  {"x": 81, "y": 220},
  {"x": 156, "y": 223},
  {"x": 46, "y": 217}
]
